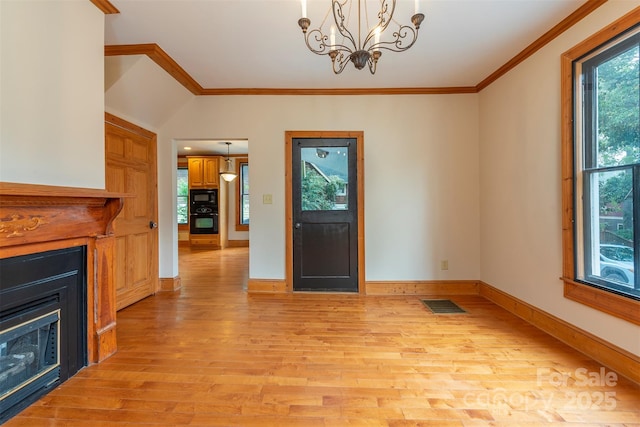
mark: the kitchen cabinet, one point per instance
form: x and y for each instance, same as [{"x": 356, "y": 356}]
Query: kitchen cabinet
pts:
[
  {"x": 207, "y": 240},
  {"x": 204, "y": 171}
]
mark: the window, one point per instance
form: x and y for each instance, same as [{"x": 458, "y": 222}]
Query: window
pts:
[
  {"x": 242, "y": 208},
  {"x": 183, "y": 195},
  {"x": 607, "y": 159},
  {"x": 601, "y": 170}
]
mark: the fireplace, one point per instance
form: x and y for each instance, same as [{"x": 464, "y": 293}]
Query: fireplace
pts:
[
  {"x": 42, "y": 324},
  {"x": 57, "y": 293}
]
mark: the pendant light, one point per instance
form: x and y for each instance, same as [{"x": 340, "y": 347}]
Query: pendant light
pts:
[{"x": 228, "y": 174}]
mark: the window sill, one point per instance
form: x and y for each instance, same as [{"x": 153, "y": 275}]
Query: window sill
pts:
[{"x": 610, "y": 303}]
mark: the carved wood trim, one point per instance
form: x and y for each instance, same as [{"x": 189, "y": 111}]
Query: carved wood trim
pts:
[{"x": 39, "y": 218}]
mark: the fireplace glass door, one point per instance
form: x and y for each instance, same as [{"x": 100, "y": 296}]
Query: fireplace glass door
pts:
[{"x": 29, "y": 354}]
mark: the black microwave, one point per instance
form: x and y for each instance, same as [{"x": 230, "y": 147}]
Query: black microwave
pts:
[{"x": 207, "y": 197}]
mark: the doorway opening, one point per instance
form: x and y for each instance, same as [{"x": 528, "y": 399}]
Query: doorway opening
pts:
[{"x": 324, "y": 211}]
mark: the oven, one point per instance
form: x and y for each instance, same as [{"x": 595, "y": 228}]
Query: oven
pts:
[
  {"x": 203, "y": 223},
  {"x": 203, "y": 220}
]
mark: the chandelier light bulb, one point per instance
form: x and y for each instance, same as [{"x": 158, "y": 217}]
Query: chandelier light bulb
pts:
[{"x": 360, "y": 46}]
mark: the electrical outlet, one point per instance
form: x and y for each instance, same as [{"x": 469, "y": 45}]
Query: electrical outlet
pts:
[
  {"x": 444, "y": 264},
  {"x": 267, "y": 199}
]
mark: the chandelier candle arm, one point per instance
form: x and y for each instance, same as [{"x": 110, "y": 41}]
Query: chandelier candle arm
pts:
[{"x": 354, "y": 49}]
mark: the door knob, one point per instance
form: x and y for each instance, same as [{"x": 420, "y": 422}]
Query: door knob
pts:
[
  {"x": 153, "y": 225},
  {"x": 298, "y": 225}
]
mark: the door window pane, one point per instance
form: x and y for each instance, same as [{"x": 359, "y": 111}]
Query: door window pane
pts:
[{"x": 324, "y": 178}]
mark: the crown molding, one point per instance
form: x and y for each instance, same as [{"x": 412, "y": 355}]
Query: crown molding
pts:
[
  {"x": 105, "y": 6},
  {"x": 160, "y": 57},
  {"x": 543, "y": 40},
  {"x": 342, "y": 91}
]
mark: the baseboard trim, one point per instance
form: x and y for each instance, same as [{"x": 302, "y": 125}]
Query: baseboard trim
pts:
[
  {"x": 170, "y": 284},
  {"x": 238, "y": 244},
  {"x": 422, "y": 287},
  {"x": 620, "y": 360},
  {"x": 273, "y": 286}
]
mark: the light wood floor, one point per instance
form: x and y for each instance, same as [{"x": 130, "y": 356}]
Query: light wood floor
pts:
[{"x": 211, "y": 355}]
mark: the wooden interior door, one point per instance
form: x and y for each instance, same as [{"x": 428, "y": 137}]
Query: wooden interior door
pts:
[{"x": 130, "y": 154}]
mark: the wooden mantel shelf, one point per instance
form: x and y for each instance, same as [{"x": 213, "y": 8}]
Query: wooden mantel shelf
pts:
[
  {"x": 18, "y": 189},
  {"x": 41, "y": 213},
  {"x": 39, "y": 218}
]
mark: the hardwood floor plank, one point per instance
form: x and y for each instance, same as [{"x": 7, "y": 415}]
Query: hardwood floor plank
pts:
[{"x": 210, "y": 354}]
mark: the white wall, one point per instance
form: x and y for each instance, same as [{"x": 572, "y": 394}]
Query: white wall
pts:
[
  {"x": 139, "y": 91},
  {"x": 421, "y": 175},
  {"x": 520, "y": 184},
  {"x": 52, "y": 96}
]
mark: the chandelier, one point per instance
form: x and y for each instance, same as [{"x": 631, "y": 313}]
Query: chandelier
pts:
[{"x": 361, "y": 48}]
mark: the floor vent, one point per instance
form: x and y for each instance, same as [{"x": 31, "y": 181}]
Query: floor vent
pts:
[{"x": 442, "y": 306}]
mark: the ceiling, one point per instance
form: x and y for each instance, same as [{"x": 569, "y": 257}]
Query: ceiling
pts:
[
  {"x": 258, "y": 44},
  {"x": 199, "y": 147}
]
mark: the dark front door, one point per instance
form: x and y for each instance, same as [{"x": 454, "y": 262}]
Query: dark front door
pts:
[{"x": 325, "y": 214}]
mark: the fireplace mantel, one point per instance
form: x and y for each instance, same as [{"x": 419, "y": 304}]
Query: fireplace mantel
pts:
[{"x": 39, "y": 218}]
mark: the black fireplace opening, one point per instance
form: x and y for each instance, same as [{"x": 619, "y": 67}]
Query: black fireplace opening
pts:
[{"x": 42, "y": 324}]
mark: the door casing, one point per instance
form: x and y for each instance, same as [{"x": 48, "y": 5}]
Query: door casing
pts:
[{"x": 289, "y": 137}]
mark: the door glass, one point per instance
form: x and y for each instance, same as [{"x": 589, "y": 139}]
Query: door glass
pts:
[{"x": 324, "y": 177}]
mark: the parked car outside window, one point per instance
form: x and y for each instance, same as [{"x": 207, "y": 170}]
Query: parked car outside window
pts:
[{"x": 616, "y": 264}]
